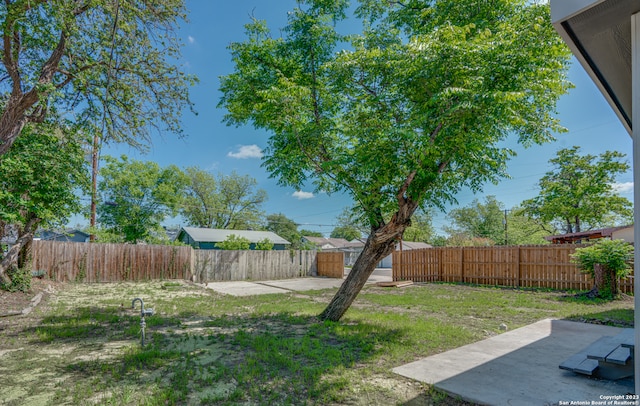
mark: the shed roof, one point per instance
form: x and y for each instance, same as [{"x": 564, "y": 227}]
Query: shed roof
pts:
[
  {"x": 413, "y": 245},
  {"x": 219, "y": 235},
  {"x": 591, "y": 234},
  {"x": 326, "y": 243}
]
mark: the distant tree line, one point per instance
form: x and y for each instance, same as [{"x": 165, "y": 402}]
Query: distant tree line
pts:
[{"x": 137, "y": 197}]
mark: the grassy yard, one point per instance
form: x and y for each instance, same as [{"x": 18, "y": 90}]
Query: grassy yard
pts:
[{"x": 81, "y": 346}]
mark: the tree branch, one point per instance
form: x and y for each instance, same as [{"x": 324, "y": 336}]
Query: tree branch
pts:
[
  {"x": 50, "y": 67},
  {"x": 401, "y": 196}
]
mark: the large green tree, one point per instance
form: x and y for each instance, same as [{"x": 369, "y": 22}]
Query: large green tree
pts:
[
  {"x": 413, "y": 109},
  {"x": 578, "y": 194},
  {"x": 109, "y": 62},
  {"x": 489, "y": 223},
  {"x": 228, "y": 201},
  {"x": 421, "y": 228},
  {"x": 41, "y": 178},
  {"x": 479, "y": 220},
  {"x": 137, "y": 196},
  {"x": 349, "y": 233},
  {"x": 521, "y": 229},
  {"x": 286, "y": 228},
  {"x": 241, "y": 202},
  {"x": 200, "y": 202}
]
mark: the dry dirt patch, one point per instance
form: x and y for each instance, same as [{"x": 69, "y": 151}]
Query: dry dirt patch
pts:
[{"x": 96, "y": 360}]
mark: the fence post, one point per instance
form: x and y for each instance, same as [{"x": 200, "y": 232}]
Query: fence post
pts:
[
  {"x": 518, "y": 270},
  {"x": 462, "y": 264},
  {"x": 439, "y": 259}
]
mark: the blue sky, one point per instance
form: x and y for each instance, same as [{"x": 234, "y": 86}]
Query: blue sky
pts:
[{"x": 211, "y": 145}]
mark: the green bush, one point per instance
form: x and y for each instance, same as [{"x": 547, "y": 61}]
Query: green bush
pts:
[
  {"x": 234, "y": 242},
  {"x": 615, "y": 256},
  {"x": 20, "y": 280},
  {"x": 264, "y": 245}
]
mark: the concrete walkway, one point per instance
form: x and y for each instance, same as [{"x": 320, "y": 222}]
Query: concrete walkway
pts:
[
  {"x": 244, "y": 288},
  {"x": 520, "y": 367}
]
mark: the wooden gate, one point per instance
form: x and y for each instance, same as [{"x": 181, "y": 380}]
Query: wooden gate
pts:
[{"x": 330, "y": 264}]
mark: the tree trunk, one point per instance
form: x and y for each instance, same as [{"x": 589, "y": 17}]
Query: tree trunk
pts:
[
  {"x": 23, "y": 107},
  {"x": 10, "y": 127},
  {"x": 381, "y": 242},
  {"x": 24, "y": 257},
  {"x": 369, "y": 258},
  {"x": 606, "y": 284},
  {"x": 10, "y": 261}
]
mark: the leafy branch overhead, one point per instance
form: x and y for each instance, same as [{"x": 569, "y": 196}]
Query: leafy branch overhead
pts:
[{"x": 109, "y": 62}]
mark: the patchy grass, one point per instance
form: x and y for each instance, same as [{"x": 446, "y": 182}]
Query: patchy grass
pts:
[{"x": 82, "y": 346}]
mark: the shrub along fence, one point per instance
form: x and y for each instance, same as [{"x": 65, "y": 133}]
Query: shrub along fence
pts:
[
  {"x": 83, "y": 262},
  {"x": 540, "y": 266}
]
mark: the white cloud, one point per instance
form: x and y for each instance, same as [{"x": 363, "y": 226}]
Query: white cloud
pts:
[
  {"x": 300, "y": 195},
  {"x": 191, "y": 39},
  {"x": 246, "y": 151},
  {"x": 625, "y": 187}
]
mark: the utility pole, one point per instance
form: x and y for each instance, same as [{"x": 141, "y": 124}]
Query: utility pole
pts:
[
  {"x": 505, "y": 223},
  {"x": 94, "y": 181}
]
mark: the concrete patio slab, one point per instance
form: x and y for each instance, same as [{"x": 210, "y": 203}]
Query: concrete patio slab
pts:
[
  {"x": 244, "y": 288},
  {"x": 302, "y": 284},
  {"x": 520, "y": 367}
]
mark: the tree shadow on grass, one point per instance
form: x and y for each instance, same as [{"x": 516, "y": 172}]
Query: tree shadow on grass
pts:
[
  {"x": 266, "y": 359},
  {"x": 613, "y": 317},
  {"x": 595, "y": 314},
  {"x": 93, "y": 324}
]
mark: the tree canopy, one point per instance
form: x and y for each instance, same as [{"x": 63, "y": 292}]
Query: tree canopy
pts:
[
  {"x": 136, "y": 197},
  {"x": 489, "y": 223},
  {"x": 421, "y": 228},
  {"x": 479, "y": 220},
  {"x": 200, "y": 202},
  {"x": 111, "y": 63},
  {"x": 578, "y": 194},
  {"x": 286, "y": 228},
  {"x": 347, "y": 232},
  {"x": 410, "y": 112},
  {"x": 226, "y": 201},
  {"x": 39, "y": 180}
]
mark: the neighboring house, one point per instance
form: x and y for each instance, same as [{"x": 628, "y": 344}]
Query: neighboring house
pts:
[
  {"x": 351, "y": 249},
  {"x": 65, "y": 236},
  {"x": 206, "y": 238},
  {"x": 615, "y": 233},
  {"x": 387, "y": 262}
]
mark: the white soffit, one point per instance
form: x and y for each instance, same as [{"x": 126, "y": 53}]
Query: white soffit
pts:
[{"x": 599, "y": 35}]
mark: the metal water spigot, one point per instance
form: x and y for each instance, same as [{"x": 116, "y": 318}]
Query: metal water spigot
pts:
[{"x": 143, "y": 312}]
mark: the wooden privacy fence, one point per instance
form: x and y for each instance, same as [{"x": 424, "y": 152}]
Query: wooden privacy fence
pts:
[
  {"x": 83, "y": 262},
  {"x": 215, "y": 265},
  {"x": 544, "y": 266},
  {"x": 331, "y": 264}
]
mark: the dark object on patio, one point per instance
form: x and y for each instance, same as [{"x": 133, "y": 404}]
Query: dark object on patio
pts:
[{"x": 610, "y": 357}]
